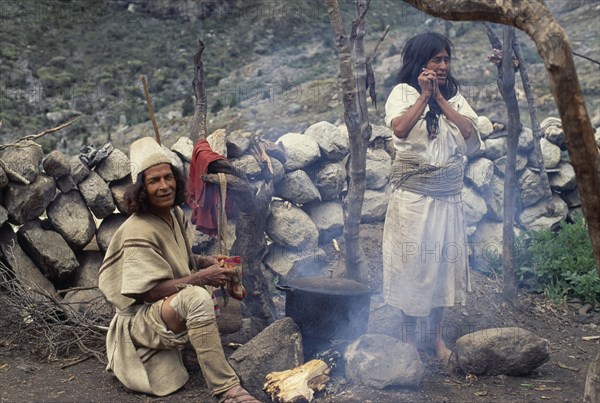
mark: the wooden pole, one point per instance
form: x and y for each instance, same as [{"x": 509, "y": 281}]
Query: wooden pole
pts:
[
  {"x": 150, "y": 109},
  {"x": 507, "y": 89},
  {"x": 355, "y": 259}
]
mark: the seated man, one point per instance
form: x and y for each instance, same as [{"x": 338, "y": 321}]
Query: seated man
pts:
[{"x": 162, "y": 302}]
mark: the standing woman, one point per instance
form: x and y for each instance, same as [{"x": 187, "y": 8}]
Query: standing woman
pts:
[{"x": 425, "y": 260}]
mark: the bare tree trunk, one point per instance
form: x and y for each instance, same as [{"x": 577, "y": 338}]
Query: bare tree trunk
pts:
[
  {"x": 251, "y": 246},
  {"x": 356, "y": 263},
  {"x": 358, "y": 160},
  {"x": 534, "y": 17},
  {"x": 506, "y": 84},
  {"x": 198, "y": 124}
]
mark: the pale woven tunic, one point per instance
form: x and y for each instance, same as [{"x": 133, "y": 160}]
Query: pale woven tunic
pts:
[
  {"x": 141, "y": 352},
  {"x": 425, "y": 257}
]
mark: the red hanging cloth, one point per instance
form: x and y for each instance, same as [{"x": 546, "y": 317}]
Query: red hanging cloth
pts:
[{"x": 203, "y": 198}]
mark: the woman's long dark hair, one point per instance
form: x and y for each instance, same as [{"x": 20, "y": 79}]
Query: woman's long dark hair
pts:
[
  {"x": 416, "y": 54},
  {"x": 136, "y": 197}
]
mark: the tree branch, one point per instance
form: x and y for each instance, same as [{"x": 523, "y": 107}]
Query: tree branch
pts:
[
  {"x": 494, "y": 40},
  {"x": 356, "y": 22},
  {"x": 371, "y": 57},
  {"x": 535, "y": 124},
  {"x": 38, "y": 135},
  {"x": 233, "y": 182},
  {"x": 198, "y": 125}
]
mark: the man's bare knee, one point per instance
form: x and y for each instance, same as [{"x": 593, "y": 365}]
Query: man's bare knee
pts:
[
  {"x": 193, "y": 304},
  {"x": 170, "y": 317}
]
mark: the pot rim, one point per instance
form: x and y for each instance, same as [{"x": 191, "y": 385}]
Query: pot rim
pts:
[{"x": 327, "y": 286}]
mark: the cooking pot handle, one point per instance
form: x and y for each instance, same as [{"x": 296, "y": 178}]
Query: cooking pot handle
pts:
[{"x": 281, "y": 287}]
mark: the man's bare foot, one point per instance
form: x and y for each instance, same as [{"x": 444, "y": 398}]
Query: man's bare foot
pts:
[
  {"x": 237, "y": 394},
  {"x": 442, "y": 352}
]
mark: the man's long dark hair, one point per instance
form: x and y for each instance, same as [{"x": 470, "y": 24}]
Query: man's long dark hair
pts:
[
  {"x": 416, "y": 54},
  {"x": 136, "y": 197}
]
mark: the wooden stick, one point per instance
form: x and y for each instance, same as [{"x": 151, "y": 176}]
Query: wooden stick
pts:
[
  {"x": 35, "y": 136},
  {"x": 233, "y": 182},
  {"x": 535, "y": 124},
  {"x": 589, "y": 338},
  {"x": 79, "y": 361},
  {"x": 585, "y": 57},
  {"x": 563, "y": 366},
  {"x": 66, "y": 290},
  {"x": 17, "y": 175},
  {"x": 150, "y": 109},
  {"x": 381, "y": 38},
  {"x": 30, "y": 137}
]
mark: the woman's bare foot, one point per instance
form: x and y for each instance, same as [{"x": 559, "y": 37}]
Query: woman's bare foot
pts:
[{"x": 442, "y": 352}]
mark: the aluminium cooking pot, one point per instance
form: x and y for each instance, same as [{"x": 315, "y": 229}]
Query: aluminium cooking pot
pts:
[{"x": 327, "y": 308}]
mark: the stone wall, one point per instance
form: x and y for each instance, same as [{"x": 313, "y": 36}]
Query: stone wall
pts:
[{"x": 57, "y": 216}]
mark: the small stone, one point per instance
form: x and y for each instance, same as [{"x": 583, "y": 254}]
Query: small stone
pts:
[
  {"x": 97, "y": 195},
  {"x": 22, "y": 162},
  {"x": 184, "y": 148},
  {"x": 378, "y": 361},
  {"x": 509, "y": 351},
  {"x": 584, "y": 309},
  {"x": 238, "y": 142},
  {"x": 297, "y": 187},
  {"x": 114, "y": 167},
  {"x": 300, "y": 150},
  {"x": 56, "y": 164},
  {"x": 26, "y": 202}
]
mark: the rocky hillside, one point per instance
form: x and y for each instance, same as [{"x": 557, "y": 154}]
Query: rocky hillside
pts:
[{"x": 271, "y": 66}]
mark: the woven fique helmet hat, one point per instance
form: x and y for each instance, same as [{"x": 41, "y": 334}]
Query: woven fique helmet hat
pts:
[{"x": 145, "y": 153}]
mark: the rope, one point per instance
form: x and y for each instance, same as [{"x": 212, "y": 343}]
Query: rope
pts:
[
  {"x": 411, "y": 172},
  {"x": 222, "y": 227},
  {"x": 222, "y": 218}
]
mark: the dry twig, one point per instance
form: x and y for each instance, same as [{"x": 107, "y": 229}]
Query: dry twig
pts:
[
  {"x": 563, "y": 366},
  {"x": 371, "y": 57},
  {"x": 38, "y": 135},
  {"x": 47, "y": 325},
  {"x": 29, "y": 137}
]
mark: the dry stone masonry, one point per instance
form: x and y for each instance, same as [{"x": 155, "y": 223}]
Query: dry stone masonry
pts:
[{"x": 57, "y": 216}]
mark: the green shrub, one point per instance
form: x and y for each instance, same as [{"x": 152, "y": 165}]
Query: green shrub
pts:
[
  {"x": 564, "y": 259},
  {"x": 559, "y": 264}
]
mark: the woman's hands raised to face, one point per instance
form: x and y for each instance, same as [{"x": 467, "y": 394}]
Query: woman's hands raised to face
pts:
[{"x": 428, "y": 82}]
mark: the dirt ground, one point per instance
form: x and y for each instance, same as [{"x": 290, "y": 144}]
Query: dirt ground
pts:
[{"x": 25, "y": 378}]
